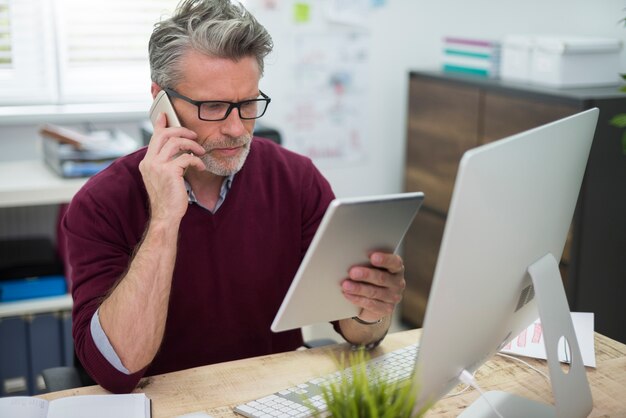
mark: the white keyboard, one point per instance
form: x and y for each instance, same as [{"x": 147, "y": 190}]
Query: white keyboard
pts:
[{"x": 292, "y": 402}]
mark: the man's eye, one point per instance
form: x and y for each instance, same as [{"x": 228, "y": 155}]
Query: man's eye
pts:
[{"x": 215, "y": 107}]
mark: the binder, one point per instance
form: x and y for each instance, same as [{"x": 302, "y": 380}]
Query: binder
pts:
[
  {"x": 44, "y": 334},
  {"x": 14, "y": 368},
  {"x": 66, "y": 339}
]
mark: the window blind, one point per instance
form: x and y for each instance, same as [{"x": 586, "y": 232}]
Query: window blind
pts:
[
  {"x": 103, "y": 48},
  {"x": 27, "y": 66},
  {"x": 5, "y": 35},
  {"x": 76, "y": 51}
]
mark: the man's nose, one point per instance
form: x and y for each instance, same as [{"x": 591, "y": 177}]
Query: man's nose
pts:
[{"x": 233, "y": 125}]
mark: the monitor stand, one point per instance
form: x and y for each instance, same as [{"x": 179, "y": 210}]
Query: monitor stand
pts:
[{"x": 572, "y": 395}]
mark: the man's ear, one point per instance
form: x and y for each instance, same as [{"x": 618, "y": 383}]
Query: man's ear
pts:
[{"x": 154, "y": 89}]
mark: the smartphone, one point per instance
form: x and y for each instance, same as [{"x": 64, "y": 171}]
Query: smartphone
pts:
[{"x": 160, "y": 105}]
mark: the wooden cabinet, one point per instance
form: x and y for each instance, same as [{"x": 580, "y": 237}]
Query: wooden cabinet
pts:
[
  {"x": 449, "y": 114},
  {"x": 445, "y": 118}
]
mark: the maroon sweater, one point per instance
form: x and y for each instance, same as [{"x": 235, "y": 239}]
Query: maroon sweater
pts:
[{"x": 232, "y": 270}]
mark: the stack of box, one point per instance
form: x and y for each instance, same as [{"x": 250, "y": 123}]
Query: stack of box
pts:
[
  {"x": 561, "y": 61},
  {"x": 471, "y": 56}
]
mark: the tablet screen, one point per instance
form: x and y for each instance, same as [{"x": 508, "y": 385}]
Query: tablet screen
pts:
[{"x": 351, "y": 229}]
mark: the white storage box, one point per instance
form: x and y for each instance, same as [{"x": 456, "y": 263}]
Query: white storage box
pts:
[
  {"x": 575, "y": 61},
  {"x": 516, "y": 57}
]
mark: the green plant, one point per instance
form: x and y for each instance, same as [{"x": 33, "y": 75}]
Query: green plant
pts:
[
  {"x": 363, "y": 393},
  {"x": 619, "y": 121}
]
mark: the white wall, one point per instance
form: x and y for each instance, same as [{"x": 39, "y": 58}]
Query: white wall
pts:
[{"x": 406, "y": 35}]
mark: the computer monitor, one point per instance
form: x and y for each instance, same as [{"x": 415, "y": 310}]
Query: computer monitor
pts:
[{"x": 497, "y": 269}]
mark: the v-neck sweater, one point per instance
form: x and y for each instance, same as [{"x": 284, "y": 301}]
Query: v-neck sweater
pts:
[{"x": 233, "y": 267}]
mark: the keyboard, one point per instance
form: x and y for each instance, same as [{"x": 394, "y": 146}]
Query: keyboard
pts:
[{"x": 292, "y": 402}]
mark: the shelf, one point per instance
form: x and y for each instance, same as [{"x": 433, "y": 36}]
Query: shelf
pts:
[
  {"x": 32, "y": 183},
  {"x": 526, "y": 88},
  {"x": 93, "y": 112},
  {"x": 35, "y": 306}
]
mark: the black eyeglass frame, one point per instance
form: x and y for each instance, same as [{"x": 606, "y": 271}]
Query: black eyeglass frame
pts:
[{"x": 231, "y": 105}]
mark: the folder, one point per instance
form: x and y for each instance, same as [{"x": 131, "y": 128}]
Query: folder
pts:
[
  {"x": 44, "y": 334},
  {"x": 33, "y": 287},
  {"x": 14, "y": 374}
]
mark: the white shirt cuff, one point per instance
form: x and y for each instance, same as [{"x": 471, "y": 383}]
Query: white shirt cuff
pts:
[{"x": 104, "y": 345}]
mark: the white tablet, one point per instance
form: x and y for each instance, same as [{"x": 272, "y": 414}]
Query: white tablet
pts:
[{"x": 350, "y": 230}]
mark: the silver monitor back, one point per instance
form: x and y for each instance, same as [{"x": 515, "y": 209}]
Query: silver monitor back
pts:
[{"x": 512, "y": 204}]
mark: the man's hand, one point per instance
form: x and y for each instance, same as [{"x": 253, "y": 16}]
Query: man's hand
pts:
[
  {"x": 377, "y": 289},
  {"x": 170, "y": 152}
]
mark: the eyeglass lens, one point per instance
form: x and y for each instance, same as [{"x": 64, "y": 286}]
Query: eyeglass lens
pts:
[{"x": 249, "y": 109}]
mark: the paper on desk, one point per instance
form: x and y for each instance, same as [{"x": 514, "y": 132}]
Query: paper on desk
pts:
[{"x": 530, "y": 342}]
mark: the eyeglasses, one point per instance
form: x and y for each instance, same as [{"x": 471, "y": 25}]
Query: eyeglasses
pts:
[{"x": 216, "y": 110}]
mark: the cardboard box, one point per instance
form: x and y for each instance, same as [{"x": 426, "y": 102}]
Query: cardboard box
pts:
[
  {"x": 575, "y": 61},
  {"x": 516, "y": 57},
  {"x": 561, "y": 61}
]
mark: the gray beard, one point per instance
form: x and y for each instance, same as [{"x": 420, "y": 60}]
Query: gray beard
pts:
[{"x": 226, "y": 166}]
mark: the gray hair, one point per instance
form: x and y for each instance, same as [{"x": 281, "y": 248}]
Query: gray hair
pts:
[{"x": 217, "y": 28}]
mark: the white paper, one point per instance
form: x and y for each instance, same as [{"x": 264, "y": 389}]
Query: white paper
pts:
[
  {"x": 348, "y": 12},
  {"x": 23, "y": 407},
  {"x": 530, "y": 342},
  {"x": 330, "y": 97},
  {"x": 133, "y": 405}
]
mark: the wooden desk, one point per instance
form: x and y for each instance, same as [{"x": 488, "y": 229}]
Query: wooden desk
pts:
[{"x": 217, "y": 388}]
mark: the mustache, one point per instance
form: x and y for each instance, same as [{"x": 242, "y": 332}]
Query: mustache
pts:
[{"x": 226, "y": 142}]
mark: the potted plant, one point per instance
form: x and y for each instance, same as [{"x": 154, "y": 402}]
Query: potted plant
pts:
[
  {"x": 619, "y": 121},
  {"x": 362, "y": 393}
]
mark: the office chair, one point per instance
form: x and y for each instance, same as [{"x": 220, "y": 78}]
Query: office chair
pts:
[
  {"x": 67, "y": 377},
  {"x": 61, "y": 378}
]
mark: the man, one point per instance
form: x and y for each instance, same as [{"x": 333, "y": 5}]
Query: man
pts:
[{"x": 182, "y": 252}]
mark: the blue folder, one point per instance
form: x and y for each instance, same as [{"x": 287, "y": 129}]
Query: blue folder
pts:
[{"x": 36, "y": 287}]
